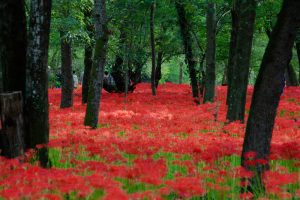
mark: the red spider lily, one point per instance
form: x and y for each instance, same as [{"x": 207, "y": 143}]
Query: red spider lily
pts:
[{"x": 186, "y": 187}]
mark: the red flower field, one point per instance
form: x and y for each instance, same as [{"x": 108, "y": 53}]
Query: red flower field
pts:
[{"x": 163, "y": 147}]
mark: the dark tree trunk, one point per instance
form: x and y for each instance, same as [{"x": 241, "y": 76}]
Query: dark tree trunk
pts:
[
  {"x": 187, "y": 43},
  {"x": 232, "y": 50},
  {"x": 158, "y": 68},
  {"x": 290, "y": 74},
  {"x": 298, "y": 55},
  {"x": 88, "y": 57},
  {"x": 240, "y": 71},
  {"x": 119, "y": 70},
  {"x": 97, "y": 73},
  {"x": 36, "y": 98},
  {"x": 153, "y": 54},
  {"x": 12, "y": 46},
  {"x": 210, "y": 77},
  {"x": 12, "y": 126},
  {"x": 67, "y": 84},
  {"x": 268, "y": 88},
  {"x": 88, "y": 63}
]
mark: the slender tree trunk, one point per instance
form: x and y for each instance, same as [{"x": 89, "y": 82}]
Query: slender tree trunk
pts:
[
  {"x": 267, "y": 91},
  {"x": 298, "y": 55},
  {"x": 210, "y": 77},
  {"x": 240, "y": 71},
  {"x": 187, "y": 41},
  {"x": 36, "y": 99},
  {"x": 158, "y": 68},
  {"x": 12, "y": 46},
  {"x": 88, "y": 57},
  {"x": 97, "y": 73},
  {"x": 67, "y": 84},
  {"x": 88, "y": 63},
  {"x": 118, "y": 69},
  {"x": 153, "y": 54},
  {"x": 232, "y": 50}
]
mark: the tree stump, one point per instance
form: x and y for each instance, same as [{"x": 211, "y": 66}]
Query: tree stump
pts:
[{"x": 11, "y": 125}]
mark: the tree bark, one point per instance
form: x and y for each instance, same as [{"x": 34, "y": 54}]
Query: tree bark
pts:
[
  {"x": 12, "y": 46},
  {"x": 232, "y": 50},
  {"x": 97, "y": 73},
  {"x": 153, "y": 54},
  {"x": 88, "y": 63},
  {"x": 290, "y": 74},
  {"x": 240, "y": 71},
  {"x": 298, "y": 55},
  {"x": 36, "y": 98},
  {"x": 88, "y": 57},
  {"x": 158, "y": 68},
  {"x": 67, "y": 84},
  {"x": 267, "y": 91},
  {"x": 187, "y": 43},
  {"x": 210, "y": 77},
  {"x": 12, "y": 126}
]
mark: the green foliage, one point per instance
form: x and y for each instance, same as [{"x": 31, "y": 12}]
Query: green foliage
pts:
[{"x": 132, "y": 17}]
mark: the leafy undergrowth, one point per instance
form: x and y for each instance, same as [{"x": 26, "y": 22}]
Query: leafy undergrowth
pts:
[{"x": 162, "y": 147}]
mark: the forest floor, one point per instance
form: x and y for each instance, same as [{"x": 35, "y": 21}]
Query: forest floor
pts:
[{"x": 162, "y": 147}]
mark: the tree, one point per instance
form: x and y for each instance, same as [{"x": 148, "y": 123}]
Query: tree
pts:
[
  {"x": 88, "y": 54},
  {"x": 13, "y": 71},
  {"x": 298, "y": 50},
  {"x": 267, "y": 92},
  {"x": 36, "y": 98},
  {"x": 153, "y": 53},
  {"x": 67, "y": 84},
  {"x": 210, "y": 76},
  {"x": 97, "y": 73},
  {"x": 12, "y": 45},
  {"x": 187, "y": 43},
  {"x": 238, "y": 83}
]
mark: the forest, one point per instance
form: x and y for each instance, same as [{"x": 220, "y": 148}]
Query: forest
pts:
[{"x": 149, "y": 99}]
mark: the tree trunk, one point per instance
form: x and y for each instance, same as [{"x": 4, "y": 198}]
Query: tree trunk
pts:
[
  {"x": 158, "y": 68},
  {"x": 67, "y": 84},
  {"x": 88, "y": 63},
  {"x": 232, "y": 50},
  {"x": 267, "y": 90},
  {"x": 36, "y": 98},
  {"x": 187, "y": 43},
  {"x": 210, "y": 77},
  {"x": 298, "y": 55},
  {"x": 153, "y": 54},
  {"x": 88, "y": 58},
  {"x": 242, "y": 55},
  {"x": 12, "y": 46},
  {"x": 12, "y": 126},
  {"x": 97, "y": 73},
  {"x": 290, "y": 74},
  {"x": 118, "y": 71}
]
